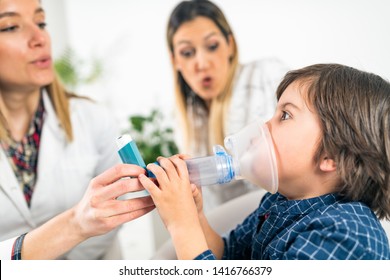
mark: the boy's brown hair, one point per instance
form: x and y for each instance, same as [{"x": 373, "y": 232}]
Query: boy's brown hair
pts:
[{"x": 354, "y": 110}]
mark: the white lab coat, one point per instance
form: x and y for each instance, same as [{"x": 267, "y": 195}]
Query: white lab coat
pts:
[{"x": 64, "y": 172}]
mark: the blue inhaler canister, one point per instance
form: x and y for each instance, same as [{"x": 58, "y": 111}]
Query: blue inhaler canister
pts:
[{"x": 129, "y": 153}]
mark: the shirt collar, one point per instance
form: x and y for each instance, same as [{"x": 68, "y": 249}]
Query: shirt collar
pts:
[{"x": 297, "y": 207}]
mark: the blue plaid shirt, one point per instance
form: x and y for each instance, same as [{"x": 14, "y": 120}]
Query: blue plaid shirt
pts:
[{"x": 324, "y": 227}]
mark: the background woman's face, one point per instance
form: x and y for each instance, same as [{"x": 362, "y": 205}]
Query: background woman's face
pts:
[
  {"x": 25, "y": 50},
  {"x": 201, "y": 54}
]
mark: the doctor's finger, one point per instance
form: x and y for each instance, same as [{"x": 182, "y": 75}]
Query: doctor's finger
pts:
[
  {"x": 129, "y": 216},
  {"x": 117, "y": 207},
  {"x": 115, "y": 173},
  {"x": 120, "y": 187}
]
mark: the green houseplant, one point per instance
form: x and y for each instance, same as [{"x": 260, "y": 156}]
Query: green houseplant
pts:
[
  {"x": 152, "y": 138},
  {"x": 69, "y": 68}
]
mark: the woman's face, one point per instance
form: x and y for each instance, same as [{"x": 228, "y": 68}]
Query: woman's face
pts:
[
  {"x": 201, "y": 54},
  {"x": 25, "y": 50}
]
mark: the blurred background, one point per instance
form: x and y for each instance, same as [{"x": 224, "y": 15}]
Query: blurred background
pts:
[{"x": 115, "y": 52}]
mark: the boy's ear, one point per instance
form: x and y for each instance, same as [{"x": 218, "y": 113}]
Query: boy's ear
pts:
[{"x": 327, "y": 164}]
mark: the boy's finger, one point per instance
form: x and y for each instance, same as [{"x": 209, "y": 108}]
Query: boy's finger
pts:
[
  {"x": 183, "y": 156},
  {"x": 169, "y": 168},
  {"x": 148, "y": 184},
  {"x": 181, "y": 167},
  {"x": 159, "y": 173}
]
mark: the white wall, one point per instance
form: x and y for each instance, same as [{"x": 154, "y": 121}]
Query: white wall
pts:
[
  {"x": 129, "y": 37},
  {"x": 56, "y": 19}
]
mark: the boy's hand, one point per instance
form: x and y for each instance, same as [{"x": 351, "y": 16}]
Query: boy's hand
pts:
[
  {"x": 197, "y": 195},
  {"x": 196, "y": 191},
  {"x": 173, "y": 195},
  {"x": 174, "y": 200}
]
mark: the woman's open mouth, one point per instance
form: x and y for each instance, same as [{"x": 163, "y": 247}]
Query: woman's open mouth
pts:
[{"x": 207, "y": 82}]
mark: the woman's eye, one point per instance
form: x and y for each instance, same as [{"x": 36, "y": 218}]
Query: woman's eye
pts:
[
  {"x": 285, "y": 116},
  {"x": 213, "y": 47},
  {"x": 187, "y": 53},
  {"x": 42, "y": 25},
  {"x": 9, "y": 28}
]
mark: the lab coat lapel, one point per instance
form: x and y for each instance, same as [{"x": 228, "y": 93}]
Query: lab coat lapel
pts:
[
  {"x": 52, "y": 145},
  {"x": 53, "y": 141},
  {"x": 10, "y": 185}
]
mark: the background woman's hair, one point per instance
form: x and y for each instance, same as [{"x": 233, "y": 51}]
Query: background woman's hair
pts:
[
  {"x": 184, "y": 12},
  {"x": 354, "y": 109}
]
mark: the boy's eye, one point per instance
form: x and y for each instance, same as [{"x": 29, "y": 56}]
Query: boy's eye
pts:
[{"x": 285, "y": 116}]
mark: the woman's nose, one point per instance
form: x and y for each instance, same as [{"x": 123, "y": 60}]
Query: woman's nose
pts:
[
  {"x": 202, "y": 61},
  {"x": 37, "y": 37}
]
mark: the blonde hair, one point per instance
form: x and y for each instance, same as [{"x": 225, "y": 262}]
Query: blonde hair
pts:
[
  {"x": 184, "y": 12},
  {"x": 60, "y": 100},
  {"x": 60, "y": 97}
]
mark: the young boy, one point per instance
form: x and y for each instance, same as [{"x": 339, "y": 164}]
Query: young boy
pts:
[{"x": 331, "y": 137}]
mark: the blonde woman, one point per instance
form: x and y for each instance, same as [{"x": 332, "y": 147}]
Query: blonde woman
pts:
[
  {"x": 215, "y": 95},
  {"x": 52, "y": 144}
]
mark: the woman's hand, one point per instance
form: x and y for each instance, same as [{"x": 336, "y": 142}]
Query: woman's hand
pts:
[{"x": 99, "y": 211}]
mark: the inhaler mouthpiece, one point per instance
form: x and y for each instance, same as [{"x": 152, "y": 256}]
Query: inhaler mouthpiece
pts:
[
  {"x": 211, "y": 170},
  {"x": 254, "y": 156}
]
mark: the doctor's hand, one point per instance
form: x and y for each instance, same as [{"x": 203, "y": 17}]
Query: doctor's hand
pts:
[{"x": 100, "y": 212}]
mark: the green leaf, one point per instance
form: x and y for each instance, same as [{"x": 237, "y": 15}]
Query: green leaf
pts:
[
  {"x": 153, "y": 140},
  {"x": 68, "y": 66},
  {"x": 137, "y": 123}
]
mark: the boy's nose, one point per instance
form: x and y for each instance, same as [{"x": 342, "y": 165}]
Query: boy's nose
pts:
[{"x": 268, "y": 124}]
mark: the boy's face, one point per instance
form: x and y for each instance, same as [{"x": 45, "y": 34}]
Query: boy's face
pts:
[{"x": 296, "y": 132}]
